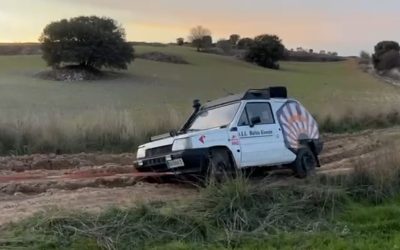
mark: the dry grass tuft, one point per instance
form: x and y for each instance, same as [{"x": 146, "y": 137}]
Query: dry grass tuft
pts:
[{"x": 107, "y": 130}]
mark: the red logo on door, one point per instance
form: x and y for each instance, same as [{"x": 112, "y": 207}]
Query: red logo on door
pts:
[
  {"x": 235, "y": 140},
  {"x": 202, "y": 139}
]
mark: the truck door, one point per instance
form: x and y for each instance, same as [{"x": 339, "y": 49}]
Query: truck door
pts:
[{"x": 261, "y": 141}]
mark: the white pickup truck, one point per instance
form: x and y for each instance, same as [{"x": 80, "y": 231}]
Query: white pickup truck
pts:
[{"x": 258, "y": 128}]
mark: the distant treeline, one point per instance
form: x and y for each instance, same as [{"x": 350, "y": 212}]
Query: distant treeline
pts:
[
  {"x": 20, "y": 49},
  {"x": 306, "y": 56},
  {"x": 301, "y": 56}
]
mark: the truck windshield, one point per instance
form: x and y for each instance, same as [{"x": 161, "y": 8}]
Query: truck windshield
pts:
[{"x": 214, "y": 117}]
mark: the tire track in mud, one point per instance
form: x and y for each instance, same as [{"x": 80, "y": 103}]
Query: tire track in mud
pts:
[{"x": 29, "y": 184}]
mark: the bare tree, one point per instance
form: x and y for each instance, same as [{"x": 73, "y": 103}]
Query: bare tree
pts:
[
  {"x": 234, "y": 39},
  {"x": 180, "y": 41},
  {"x": 197, "y": 35}
]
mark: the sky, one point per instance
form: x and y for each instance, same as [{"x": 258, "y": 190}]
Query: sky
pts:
[{"x": 344, "y": 26}]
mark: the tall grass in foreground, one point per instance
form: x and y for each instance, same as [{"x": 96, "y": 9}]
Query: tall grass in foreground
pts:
[
  {"x": 111, "y": 130},
  {"x": 230, "y": 214},
  {"x": 105, "y": 130},
  {"x": 351, "y": 121},
  {"x": 222, "y": 216},
  {"x": 375, "y": 178}
]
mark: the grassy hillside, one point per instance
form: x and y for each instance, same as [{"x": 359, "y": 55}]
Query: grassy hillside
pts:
[
  {"x": 151, "y": 85},
  {"x": 152, "y": 92}
]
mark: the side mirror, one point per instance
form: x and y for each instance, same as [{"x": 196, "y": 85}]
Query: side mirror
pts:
[{"x": 255, "y": 120}]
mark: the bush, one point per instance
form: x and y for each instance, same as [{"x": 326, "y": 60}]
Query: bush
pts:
[
  {"x": 180, "y": 41},
  {"x": 388, "y": 61},
  {"x": 245, "y": 43},
  {"x": 386, "y": 55},
  {"x": 90, "y": 42},
  {"x": 365, "y": 58},
  {"x": 266, "y": 51},
  {"x": 226, "y": 46},
  {"x": 305, "y": 56},
  {"x": 234, "y": 39}
]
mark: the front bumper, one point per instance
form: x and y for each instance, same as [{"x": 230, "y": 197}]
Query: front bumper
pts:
[{"x": 195, "y": 161}]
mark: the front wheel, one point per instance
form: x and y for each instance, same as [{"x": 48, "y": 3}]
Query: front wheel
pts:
[
  {"x": 305, "y": 163},
  {"x": 220, "y": 166}
]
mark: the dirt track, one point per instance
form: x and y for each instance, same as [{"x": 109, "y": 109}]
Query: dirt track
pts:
[{"x": 29, "y": 184}]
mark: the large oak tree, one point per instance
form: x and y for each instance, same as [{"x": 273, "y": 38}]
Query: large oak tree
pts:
[{"x": 90, "y": 42}]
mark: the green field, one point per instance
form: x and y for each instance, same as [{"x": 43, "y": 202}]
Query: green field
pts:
[
  {"x": 152, "y": 92},
  {"x": 149, "y": 86}
]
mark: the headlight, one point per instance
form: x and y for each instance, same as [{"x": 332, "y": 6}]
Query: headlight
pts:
[
  {"x": 182, "y": 144},
  {"x": 141, "y": 153}
]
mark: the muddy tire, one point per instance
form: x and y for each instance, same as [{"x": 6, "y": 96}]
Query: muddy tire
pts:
[
  {"x": 305, "y": 163},
  {"x": 220, "y": 166}
]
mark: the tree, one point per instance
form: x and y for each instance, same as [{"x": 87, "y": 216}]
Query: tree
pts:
[
  {"x": 225, "y": 46},
  {"x": 200, "y": 37},
  {"x": 90, "y": 42},
  {"x": 386, "y": 55},
  {"x": 388, "y": 60},
  {"x": 180, "y": 41},
  {"x": 234, "y": 39},
  {"x": 365, "y": 57},
  {"x": 245, "y": 43},
  {"x": 266, "y": 51},
  {"x": 206, "y": 42}
]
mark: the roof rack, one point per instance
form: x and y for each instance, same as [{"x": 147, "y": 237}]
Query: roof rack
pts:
[{"x": 251, "y": 94}]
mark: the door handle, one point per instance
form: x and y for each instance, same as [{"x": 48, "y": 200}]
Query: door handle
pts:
[{"x": 234, "y": 129}]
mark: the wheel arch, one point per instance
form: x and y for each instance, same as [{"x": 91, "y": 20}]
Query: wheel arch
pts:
[
  {"x": 311, "y": 144},
  {"x": 228, "y": 150}
]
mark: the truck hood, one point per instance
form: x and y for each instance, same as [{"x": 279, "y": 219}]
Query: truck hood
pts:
[{"x": 170, "y": 140}]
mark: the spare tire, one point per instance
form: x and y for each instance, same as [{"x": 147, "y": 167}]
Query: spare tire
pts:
[{"x": 305, "y": 163}]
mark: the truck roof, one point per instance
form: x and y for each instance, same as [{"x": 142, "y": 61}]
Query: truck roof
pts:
[{"x": 251, "y": 94}]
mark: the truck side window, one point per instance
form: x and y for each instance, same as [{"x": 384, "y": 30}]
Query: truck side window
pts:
[
  {"x": 243, "y": 121},
  {"x": 261, "y": 110}
]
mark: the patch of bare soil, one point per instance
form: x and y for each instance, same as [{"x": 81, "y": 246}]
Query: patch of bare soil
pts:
[
  {"x": 19, "y": 206},
  {"x": 29, "y": 184}
]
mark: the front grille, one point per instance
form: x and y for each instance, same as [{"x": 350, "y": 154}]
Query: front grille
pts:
[
  {"x": 154, "y": 165},
  {"x": 154, "y": 162},
  {"x": 152, "y": 152}
]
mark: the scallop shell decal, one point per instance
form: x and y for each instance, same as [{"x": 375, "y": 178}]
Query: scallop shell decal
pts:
[{"x": 297, "y": 124}]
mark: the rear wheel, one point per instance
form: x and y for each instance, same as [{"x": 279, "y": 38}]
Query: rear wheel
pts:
[
  {"x": 305, "y": 163},
  {"x": 220, "y": 166}
]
